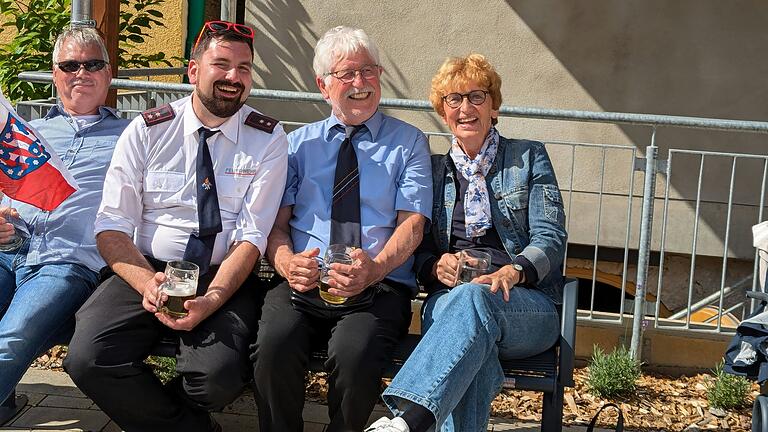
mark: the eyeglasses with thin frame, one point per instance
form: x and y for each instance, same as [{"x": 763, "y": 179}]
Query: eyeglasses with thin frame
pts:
[
  {"x": 475, "y": 97},
  {"x": 222, "y": 26},
  {"x": 367, "y": 72},
  {"x": 70, "y": 66}
]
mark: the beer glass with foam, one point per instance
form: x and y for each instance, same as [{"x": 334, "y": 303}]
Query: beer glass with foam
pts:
[{"x": 180, "y": 285}]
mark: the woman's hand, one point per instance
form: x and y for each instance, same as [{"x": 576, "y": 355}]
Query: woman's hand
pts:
[
  {"x": 445, "y": 269},
  {"x": 506, "y": 278}
]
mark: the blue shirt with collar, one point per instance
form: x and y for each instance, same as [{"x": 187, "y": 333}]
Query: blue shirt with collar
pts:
[
  {"x": 395, "y": 174},
  {"x": 65, "y": 235}
]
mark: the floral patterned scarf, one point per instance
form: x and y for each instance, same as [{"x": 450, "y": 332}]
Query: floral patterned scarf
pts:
[{"x": 477, "y": 206}]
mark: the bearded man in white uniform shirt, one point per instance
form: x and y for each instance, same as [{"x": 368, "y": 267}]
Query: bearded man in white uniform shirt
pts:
[{"x": 154, "y": 187}]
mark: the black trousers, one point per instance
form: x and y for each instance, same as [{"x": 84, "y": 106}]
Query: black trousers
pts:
[
  {"x": 114, "y": 334},
  {"x": 359, "y": 346}
]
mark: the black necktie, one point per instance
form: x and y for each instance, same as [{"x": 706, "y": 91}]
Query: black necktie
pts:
[
  {"x": 200, "y": 244},
  {"x": 345, "y": 210}
]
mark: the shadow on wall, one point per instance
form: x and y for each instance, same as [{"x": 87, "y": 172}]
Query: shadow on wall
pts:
[
  {"x": 702, "y": 58},
  {"x": 287, "y": 52}
]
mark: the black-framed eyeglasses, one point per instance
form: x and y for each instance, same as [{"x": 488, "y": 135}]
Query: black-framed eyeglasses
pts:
[
  {"x": 475, "y": 97},
  {"x": 367, "y": 72},
  {"x": 70, "y": 66},
  {"x": 222, "y": 26}
]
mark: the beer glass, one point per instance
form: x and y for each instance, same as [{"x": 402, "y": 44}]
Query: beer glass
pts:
[
  {"x": 472, "y": 263},
  {"x": 20, "y": 234},
  {"x": 336, "y": 253},
  {"x": 180, "y": 285}
]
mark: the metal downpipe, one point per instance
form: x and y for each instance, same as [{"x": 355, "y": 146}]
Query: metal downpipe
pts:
[
  {"x": 82, "y": 14},
  {"x": 646, "y": 226}
]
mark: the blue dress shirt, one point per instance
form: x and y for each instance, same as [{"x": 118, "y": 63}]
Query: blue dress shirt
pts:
[
  {"x": 65, "y": 235},
  {"x": 395, "y": 174}
]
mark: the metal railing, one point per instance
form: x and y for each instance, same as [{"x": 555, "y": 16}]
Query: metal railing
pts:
[{"x": 574, "y": 195}]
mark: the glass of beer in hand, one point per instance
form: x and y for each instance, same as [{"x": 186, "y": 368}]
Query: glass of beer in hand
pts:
[
  {"x": 336, "y": 253},
  {"x": 180, "y": 285},
  {"x": 472, "y": 263},
  {"x": 20, "y": 234}
]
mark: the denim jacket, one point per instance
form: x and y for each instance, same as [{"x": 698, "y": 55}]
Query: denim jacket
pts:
[{"x": 526, "y": 209}]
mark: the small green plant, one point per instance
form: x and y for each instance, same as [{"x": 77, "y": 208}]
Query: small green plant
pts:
[
  {"x": 612, "y": 374},
  {"x": 727, "y": 391},
  {"x": 164, "y": 368}
]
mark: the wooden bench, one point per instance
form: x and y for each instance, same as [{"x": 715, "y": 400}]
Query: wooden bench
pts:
[{"x": 549, "y": 372}]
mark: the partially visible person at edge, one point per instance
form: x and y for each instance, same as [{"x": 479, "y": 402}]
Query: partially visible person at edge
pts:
[
  {"x": 499, "y": 195},
  {"x": 47, "y": 277},
  {"x": 371, "y": 191},
  {"x": 199, "y": 180}
]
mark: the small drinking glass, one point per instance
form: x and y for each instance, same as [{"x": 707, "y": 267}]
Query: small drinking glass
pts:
[
  {"x": 336, "y": 253},
  {"x": 472, "y": 263},
  {"x": 180, "y": 285},
  {"x": 20, "y": 234}
]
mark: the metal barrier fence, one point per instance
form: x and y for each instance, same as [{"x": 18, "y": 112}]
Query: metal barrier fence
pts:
[{"x": 605, "y": 202}]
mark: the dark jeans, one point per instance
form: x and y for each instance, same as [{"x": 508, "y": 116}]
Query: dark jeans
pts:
[
  {"x": 359, "y": 346},
  {"x": 114, "y": 334}
]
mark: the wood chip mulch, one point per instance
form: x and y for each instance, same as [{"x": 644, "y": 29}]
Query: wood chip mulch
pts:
[{"x": 660, "y": 403}]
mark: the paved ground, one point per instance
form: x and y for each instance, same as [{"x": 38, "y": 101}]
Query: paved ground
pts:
[{"x": 56, "y": 404}]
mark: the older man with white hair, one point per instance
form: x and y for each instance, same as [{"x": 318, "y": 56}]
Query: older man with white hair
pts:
[{"x": 361, "y": 181}]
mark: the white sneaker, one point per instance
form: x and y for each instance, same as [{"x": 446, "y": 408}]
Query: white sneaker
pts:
[{"x": 389, "y": 425}]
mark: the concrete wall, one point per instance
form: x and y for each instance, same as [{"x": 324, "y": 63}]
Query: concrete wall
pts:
[{"x": 693, "y": 58}]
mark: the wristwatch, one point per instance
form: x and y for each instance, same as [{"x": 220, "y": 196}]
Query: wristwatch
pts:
[{"x": 521, "y": 270}]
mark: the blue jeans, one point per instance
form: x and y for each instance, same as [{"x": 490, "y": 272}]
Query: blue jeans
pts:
[
  {"x": 37, "y": 310},
  {"x": 454, "y": 371}
]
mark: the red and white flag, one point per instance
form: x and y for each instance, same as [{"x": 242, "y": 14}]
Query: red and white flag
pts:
[{"x": 30, "y": 171}]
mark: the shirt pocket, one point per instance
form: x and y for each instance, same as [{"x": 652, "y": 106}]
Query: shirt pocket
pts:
[
  {"x": 101, "y": 151},
  {"x": 517, "y": 205},
  {"x": 164, "y": 186},
  {"x": 231, "y": 192}
]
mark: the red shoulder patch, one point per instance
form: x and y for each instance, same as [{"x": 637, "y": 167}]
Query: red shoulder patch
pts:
[
  {"x": 158, "y": 115},
  {"x": 261, "y": 122}
]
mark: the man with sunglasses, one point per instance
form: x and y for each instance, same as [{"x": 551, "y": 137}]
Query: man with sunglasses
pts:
[
  {"x": 199, "y": 180},
  {"x": 363, "y": 180},
  {"x": 46, "y": 278}
]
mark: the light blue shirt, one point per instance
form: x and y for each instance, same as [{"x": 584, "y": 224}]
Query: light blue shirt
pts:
[
  {"x": 65, "y": 235},
  {"x": 395, "y": 174}
]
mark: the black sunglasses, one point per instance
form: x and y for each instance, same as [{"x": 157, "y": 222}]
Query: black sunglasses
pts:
[{"x": 70, "y": 66}]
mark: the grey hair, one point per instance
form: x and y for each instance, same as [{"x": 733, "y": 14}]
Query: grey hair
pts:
[
  {"x": 339, "y": 42},
  {"x": 82, "y": 36}
]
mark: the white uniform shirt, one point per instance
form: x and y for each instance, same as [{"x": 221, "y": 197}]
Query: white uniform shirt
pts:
[{"x": 150, "y": 188}]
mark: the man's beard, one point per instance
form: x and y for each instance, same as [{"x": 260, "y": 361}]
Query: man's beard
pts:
[{"x": 221, "y": 107}]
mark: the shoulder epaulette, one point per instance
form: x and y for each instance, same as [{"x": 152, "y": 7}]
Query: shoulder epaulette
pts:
[
  {"x": 261, "y": 122},
  {"x": 158, "y": 115}
]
